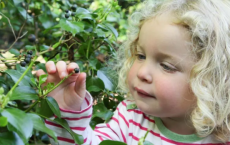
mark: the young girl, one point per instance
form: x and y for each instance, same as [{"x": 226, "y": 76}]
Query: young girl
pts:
[{"x": 176, "y": 65}]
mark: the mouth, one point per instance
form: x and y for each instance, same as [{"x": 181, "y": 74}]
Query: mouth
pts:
[{"x": 142, "y": 93}]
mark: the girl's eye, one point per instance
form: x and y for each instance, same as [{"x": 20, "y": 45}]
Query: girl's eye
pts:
[
  {"x": 167, "y": 68},
  {"x": 140, "y": 56}
]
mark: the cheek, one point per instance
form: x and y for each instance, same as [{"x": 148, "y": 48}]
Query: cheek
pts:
[
  {"x": 168, "y": 89},
  {"x": 131, "y": 74}
]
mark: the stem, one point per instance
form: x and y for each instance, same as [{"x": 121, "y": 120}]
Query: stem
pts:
[
  {"x": 146, "y": 134},
  {"x": 57, "y": 84},
  {"x": 22, "y": 76},
  {"x": 87, "y": 52},
  {"x": 32, "y": 106},
  {"x": 43, "y": 116}
]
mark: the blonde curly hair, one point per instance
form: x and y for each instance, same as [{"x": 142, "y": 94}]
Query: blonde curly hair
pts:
[{"x": 208, "y": 22}]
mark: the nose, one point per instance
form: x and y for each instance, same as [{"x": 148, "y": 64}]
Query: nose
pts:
[{"x": 145, "y": 73}]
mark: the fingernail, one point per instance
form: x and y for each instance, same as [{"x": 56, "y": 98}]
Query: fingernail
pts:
[
  {"x": 63, "y": 74},
  {"x": 51, "y": 69}
]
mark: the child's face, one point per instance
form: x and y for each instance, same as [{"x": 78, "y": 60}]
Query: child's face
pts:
[{"x": 161, "y": 69}]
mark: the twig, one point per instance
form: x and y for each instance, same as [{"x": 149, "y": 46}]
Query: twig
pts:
[
  {"x": 9, "y": 23},
  {"x": 18, "y": 37}
]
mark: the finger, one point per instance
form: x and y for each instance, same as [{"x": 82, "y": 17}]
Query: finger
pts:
[
  {"x": 80, "y": 85},
  {"x": 50, "y": 67},
  {"x": 62, "y": 69},
  {"x": 40, "y": 72},
  {"x": 72, "y": 66}
]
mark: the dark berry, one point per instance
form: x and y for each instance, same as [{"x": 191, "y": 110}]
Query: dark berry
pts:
[
  {"x": 67, "y": 15},
  {"x": 74, "y": 7},
  {"x": 27, "y": 60},
  {"x": 28, "y": 56},
  {"x": 32, "y": 38},
  {"x": 23, "y": 63},
  {"x": 73, "y": 14},
  {"x": 66, "y": 11},
  {"x": 30, "y": 52},
  {"x": 76, "y": 70}
]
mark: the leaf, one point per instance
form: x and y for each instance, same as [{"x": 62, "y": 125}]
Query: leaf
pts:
[
  {"x": 71, "y": 26},
  {"x": 3, "y": 121},
  {"x": 10, "y": 138},
  {"x": 19, "y": 120},
  {"x": 24, "y": 14},
  {"x": 53, "y": 106},
  {"x": 43, "y": 109},
  {"x": 94, "y": 84},
  {"x": 21, "y": 69},
  {"x": 112, "y": 29},
  {"x": 40, "y": 125},
  {"x": 78, "y": 139},
  {"x": 30, "y": 47},
  {"x": 15, "y": 75},
  {"x": 24, "y": 93},
  {"x": 16, "y": 2},
  {"x": 147, "y": 143},
  {"x": 42, "y": 79},
  {"x": 14, "y": 51},
  {"x": 111, "y": 142},
  {"x": 45, "y": 20},
  {"x": 102, "y": 74},
  {"x": 101, "y": 111}
]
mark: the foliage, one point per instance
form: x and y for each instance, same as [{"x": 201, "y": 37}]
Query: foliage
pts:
[{"x": 33, "y": 32}]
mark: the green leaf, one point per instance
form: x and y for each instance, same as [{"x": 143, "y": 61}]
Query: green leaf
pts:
[
  {"x": 43, "y": 109},
  {"x": 81, "y": 11},
  {"x": 30, "y": 47},
  {"x": 24, "y": 14},
  {"x": 101, "y": 111},
  {"x": 45, "y": 20},
  {"x": 24, "y": 93},
  {"x": 10, "y": 138},
  {"x": 53, "y": 106},
  {"x": 20, "y": 121},
  {"x": 3, "y": 121},
  {"x": 94, "y": 84},
  {"x": 21, "y": 69},
  {"x": 15, "y": 75},
  {"x": 71, "y": 26},
  {"x": 111, "y": 142},
  {"x": 78, "y": 139},
  {"x": 147, "y": 143},
  {"x": 1, "y": 90},
  {"x": 112, "y": 29},
  {"x": 40, "y": 125},
  {"x": 42, "y": 79},
  {"x": 16, "y": 2},
  {"x": 14, "y": 51},
  {"x": 102, "y": 74}
]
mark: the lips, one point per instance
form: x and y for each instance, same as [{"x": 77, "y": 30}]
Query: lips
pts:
[{"x": 143, "y": 93}]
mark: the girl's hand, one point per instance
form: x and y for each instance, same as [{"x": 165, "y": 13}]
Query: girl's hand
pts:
[{"x": 71, "y": 93}]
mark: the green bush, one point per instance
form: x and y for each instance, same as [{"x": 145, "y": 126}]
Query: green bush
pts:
[{"x": 33, "y": 32}]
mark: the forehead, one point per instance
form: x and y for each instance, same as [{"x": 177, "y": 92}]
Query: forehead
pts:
[
  {"x": 162, "y": 31},
  {"x": 160, "y": 35}
]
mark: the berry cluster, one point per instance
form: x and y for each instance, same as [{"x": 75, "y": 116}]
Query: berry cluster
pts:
[
  {"x": 27, "y": 58},
  {"x": 72, "y": 13}
]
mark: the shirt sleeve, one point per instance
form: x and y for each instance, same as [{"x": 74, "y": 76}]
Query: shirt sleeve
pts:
[{"x": 115, "y": 129}]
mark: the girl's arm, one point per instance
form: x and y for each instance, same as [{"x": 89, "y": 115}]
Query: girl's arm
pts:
[{"x": 115, "y": 129}]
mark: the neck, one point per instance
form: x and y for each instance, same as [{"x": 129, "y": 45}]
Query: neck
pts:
[{"x": 178, "y": 125}]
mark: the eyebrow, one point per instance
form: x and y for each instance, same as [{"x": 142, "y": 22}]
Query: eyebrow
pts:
[{"x": 161, "y": 55}]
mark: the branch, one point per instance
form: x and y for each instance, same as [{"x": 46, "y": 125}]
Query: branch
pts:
[{"x": 9, "y": 23}]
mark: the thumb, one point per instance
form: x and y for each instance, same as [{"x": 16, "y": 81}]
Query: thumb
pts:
[{"x": 80, "y": 85}]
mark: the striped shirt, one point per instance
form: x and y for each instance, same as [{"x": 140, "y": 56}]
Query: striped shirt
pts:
[{"x": 128, "y": 125}]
